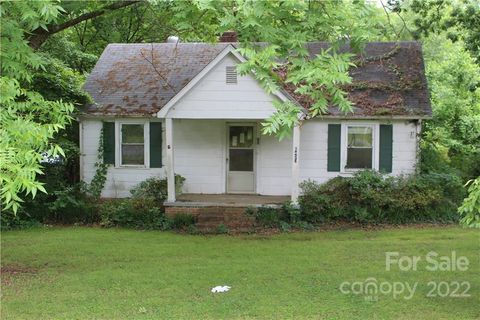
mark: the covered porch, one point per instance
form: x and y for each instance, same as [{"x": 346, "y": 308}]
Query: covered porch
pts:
[{"x": 201, "y": 148}]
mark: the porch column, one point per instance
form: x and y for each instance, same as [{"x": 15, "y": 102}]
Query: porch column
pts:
[
  {"x": 295, "y": 167},
  {"x": 170, "y": 165}
]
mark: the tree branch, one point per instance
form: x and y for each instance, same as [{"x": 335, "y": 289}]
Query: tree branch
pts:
[{"x": 39, "y": 35}]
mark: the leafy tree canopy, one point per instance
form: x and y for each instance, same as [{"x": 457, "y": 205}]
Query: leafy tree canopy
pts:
[{"x": 28, "y": 121}]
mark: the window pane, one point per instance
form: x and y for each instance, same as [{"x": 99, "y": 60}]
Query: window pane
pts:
[
  {"x": 360, "y": 137},
  {"x": 359, "y": 158},
  {"x": 132, "y": 154},
  {"x": 132, "y": 133},
  {"x": 241, "y": 137},
  {"x": 241, "y": 160}
]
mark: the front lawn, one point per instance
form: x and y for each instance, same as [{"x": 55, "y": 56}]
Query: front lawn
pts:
[{"x": 89, "y": 273}]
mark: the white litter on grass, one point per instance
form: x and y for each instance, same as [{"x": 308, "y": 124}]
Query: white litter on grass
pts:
[{"x": 218, "y": 289}]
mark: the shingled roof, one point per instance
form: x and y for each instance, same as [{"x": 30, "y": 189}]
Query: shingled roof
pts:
[{"x": 139, "y": 79}]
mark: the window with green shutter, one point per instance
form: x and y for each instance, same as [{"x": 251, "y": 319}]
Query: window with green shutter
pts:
[
  {"x": 333, "y": 152},
  {"x": 155, "y": 144},
  {"x": 386, "y": 148},
  {"x": 109, "y": 143}
]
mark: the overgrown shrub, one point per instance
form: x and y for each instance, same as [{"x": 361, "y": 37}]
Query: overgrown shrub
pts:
[
  {"x": 371, "y": 197},
  {"x": 183, "y": 221},
  {"x": 266, "y": 216},
  {"x": 222, "y": 229},
  {"x": 72, "y": 205},
  {"x": 285, "y": 218},
  {"x": 133, "y": 213},
  {"x": 11, "y": 221},
  {"x": 156, "y": 188},
  {"x": 63, "y": 204}
]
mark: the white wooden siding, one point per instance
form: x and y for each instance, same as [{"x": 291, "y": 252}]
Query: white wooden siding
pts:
[
  {"x": 213, "y": 98},
  {"x": 313, "y": 146},
  {"x": 274, "y": 166},
  {"x": 199, "y": 154},
  {"x": 119, "y": 180}
]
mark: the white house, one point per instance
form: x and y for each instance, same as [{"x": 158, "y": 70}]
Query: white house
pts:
[{"x": 181, "y": 108}]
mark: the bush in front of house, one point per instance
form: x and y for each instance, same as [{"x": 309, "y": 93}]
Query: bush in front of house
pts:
[
  {"x": 183, "y": 221},
  {"x": 371, "y": 197},
  {"x": 285, "y": 218},
  {"x": 156, "y": 188},
  {"x": 137, "y": 213}
]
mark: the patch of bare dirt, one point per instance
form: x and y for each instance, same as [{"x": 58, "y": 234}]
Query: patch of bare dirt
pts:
[{"x": 10, "y": 271}]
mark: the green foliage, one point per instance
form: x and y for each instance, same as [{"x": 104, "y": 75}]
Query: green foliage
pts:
[
  {"x": 69, "y": 53},
  {"x": 156, "y": 188},
  {"x": 265, "y": 216},
  {"x": 11, "y": 221},
  {"x": 28, "y": 121},
  {"x": 458, "y": 20},
  {"x": 72, "y": 205},
  {"x": 221, "y": 229},
  {"x": 371, "y": 197},
  {"x": 133, "y": 213},
  {"x": 451, "y": 140},
  {"x": 183, "y": 221},
  {"x": 56, "y": 81},
  {"x": 470, "y": 209},
  {"x": 285, "y": 218},
  {"x": 285, "y": 60},
  {"x": 98, "y": 181}
]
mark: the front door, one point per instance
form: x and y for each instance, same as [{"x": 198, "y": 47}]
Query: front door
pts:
[{"x": 241, "y": 159}]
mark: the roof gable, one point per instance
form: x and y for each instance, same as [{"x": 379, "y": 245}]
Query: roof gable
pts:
[{"x": 228, "y": 50}]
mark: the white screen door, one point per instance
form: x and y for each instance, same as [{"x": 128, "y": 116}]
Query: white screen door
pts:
[{"x": 241, "y": 159}]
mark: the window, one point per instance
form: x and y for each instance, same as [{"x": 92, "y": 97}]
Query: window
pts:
[
  {"x": 133, "y": 146},
  {"x": 359, "y": 147},
  {"x": 241, "y": 148}
]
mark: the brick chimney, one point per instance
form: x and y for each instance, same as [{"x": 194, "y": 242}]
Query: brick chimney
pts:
[{"x": 228, "y": 36}]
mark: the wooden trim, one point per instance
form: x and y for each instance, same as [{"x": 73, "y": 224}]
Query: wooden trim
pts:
[
  {"x": 344, "y": 144},
  {"x": 170, "y": 163},
  {"x": 295, "y": 163},
  {"x": 146, "y": 144}
]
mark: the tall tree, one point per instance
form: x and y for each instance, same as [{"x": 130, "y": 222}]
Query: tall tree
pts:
[
  {"x": 459, "y": 20},
  {"x": 28, "y": 121}
]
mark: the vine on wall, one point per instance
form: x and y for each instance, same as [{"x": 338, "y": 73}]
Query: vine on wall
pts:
[{"x": 98, "y": 181}]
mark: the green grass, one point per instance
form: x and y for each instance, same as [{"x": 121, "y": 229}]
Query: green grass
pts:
[{"x": 87, "y": 273}]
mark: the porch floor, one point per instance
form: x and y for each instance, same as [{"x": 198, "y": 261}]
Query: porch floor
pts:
[{"x": 227, "y": 200}]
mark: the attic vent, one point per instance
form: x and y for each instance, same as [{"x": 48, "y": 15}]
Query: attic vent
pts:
[{"x": 231, "y": 74}]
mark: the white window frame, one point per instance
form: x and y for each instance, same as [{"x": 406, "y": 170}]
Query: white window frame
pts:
[
  {"x": 146, "y": 143},
  {"x": 344, "y": 145}
]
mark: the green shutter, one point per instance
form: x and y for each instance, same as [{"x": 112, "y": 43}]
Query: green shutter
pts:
[
  {"x": 386, "y": 142},
  {"x": 109, "y": 143},
  {"x": 155, "y": 144},
  {"x": 333, "y": 152}
]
